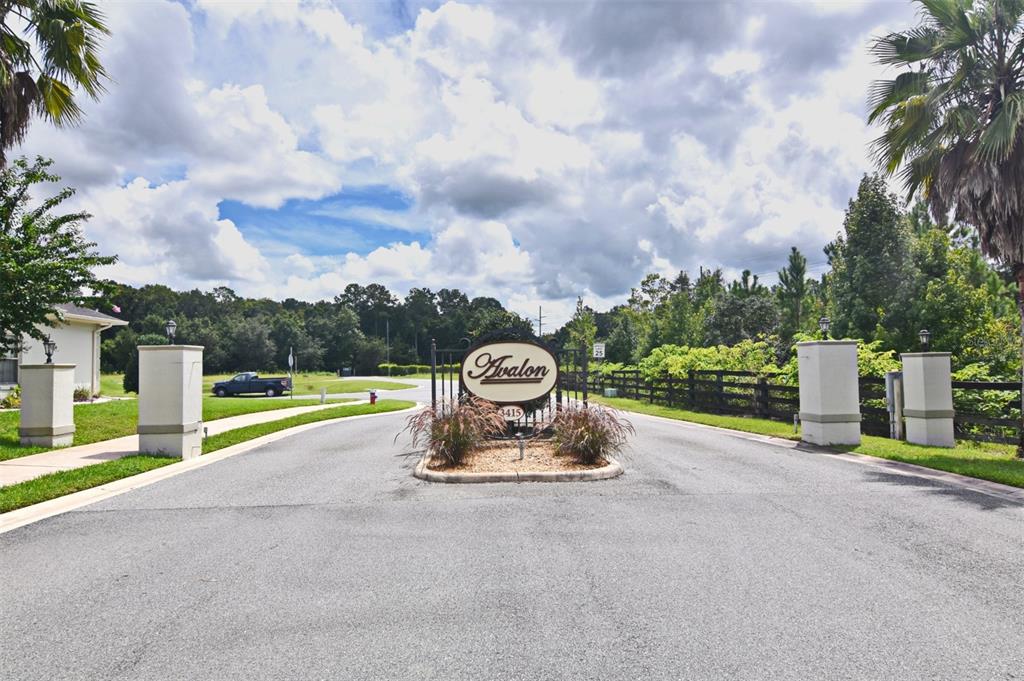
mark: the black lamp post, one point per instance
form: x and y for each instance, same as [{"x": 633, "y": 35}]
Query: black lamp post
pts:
[
  {"x": 824, "y": 323},
  {"x": 170, "y": 327},
  {"x": 925, "y": 336},
  {"x": 49, "y": 347}
]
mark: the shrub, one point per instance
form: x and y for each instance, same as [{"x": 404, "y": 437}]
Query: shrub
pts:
[
  {"x": 590, "y": 433},
  {"x": 81, "y": 395},
  {"x": 457, "y": 428},
  {"x": 12, "y": 400},
  {"x": 385, "y": 369}
]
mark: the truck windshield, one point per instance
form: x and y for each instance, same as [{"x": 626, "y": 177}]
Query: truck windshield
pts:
[{"x": 241, "y": 377}]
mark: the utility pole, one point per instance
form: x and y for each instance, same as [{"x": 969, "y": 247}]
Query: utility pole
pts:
[
  {"x": 540, "y": 321},
  {"x": 387, "y": 344}
]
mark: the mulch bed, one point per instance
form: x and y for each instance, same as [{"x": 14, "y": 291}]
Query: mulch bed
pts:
[{"x": 503, "y": 456}]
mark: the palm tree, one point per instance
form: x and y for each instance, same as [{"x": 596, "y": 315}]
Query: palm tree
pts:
[
  {"x": 952, "y": 120},
  {"x": 48, "y": 48}
]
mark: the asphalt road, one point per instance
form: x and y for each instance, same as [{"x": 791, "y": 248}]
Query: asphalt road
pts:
[{"x": 319, "y": 556}]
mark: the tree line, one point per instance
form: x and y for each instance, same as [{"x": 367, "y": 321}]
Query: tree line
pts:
[
  {"x": 891, "y": 272},
  {"x": 359, "y": 329}
]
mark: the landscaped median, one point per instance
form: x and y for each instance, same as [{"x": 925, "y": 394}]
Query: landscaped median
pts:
[
  {"x": 994, "y": 462},
  {"x": 59, "y": 484}
]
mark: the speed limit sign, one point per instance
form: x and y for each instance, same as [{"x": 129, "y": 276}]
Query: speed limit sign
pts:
[{"x": 598, "y": 350}]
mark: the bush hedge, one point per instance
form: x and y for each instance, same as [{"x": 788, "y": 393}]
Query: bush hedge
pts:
[{"x": 404, "y": 369}]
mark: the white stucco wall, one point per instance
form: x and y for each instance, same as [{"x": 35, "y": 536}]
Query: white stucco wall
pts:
[{"x": 78, "y": 344}]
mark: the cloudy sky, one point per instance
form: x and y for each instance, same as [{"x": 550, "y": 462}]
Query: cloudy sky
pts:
[{"x": 528, "y": 151}]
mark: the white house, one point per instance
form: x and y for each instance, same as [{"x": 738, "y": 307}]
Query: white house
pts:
[{"x": 78, "y": 342}]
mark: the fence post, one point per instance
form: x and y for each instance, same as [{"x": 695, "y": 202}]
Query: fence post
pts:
[
  {"x": 720, "y": 389},
  {"x": 761, "y": 396},
  {"x": 691, "y": 387},
  {"x": 670, "y": 393},
  {"x": 433, "y": 375}
]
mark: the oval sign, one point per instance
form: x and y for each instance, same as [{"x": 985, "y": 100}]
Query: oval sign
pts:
[
  {"x": 512, "y": 412},
  {"x": 509, "y": 372}
]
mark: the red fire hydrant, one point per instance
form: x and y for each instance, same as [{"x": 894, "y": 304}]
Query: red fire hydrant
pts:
[{"x": 373, "y": 397}]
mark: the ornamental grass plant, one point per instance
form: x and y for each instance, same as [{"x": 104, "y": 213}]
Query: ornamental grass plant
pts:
[
  {"x": 456, "y": 428},
  {"x": 590, "y": 433}
]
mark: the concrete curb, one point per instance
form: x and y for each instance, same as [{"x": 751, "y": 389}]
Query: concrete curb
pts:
[
  {"x": 30, "y": 514},
  {"x": 995, "y": 489},
  {"x": 612, "y": 470}
]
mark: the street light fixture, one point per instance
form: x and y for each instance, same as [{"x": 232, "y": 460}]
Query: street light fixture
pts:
[
  {"x": 49, "y": 346},
  {"x": 925, "y": 336},
  {"x": 170, "y": 327},
  {"x": 824, "y": 323}
]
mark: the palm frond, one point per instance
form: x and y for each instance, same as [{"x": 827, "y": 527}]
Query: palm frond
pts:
[
  {"x": 884, "y": 94},
  {"x": 907, "y": 47},
  {"x": 997, "y": 141}
]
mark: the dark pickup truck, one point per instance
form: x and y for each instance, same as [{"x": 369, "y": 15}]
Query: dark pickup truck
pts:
[{"x": 250, "y": 382}]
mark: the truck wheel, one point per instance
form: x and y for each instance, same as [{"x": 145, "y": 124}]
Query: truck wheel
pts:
[
  {"x": 271, "y": 392},
  {"x": 220, "y": 392}
]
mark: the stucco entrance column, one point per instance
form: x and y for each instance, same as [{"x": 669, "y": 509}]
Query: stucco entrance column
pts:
[
  {"x": 47, "y": 404},
  {"x": 171, "y": 400},
  {"x": 829, "y": 392},
  {"x": 928, "y": 398}
]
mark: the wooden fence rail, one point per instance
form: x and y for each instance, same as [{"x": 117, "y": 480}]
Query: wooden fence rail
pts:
[{"x": 985, "y": 411}]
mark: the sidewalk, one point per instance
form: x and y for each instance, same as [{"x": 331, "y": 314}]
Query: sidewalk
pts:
[{"x": 28, "y": 467}]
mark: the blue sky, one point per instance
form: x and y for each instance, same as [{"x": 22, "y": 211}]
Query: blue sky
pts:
[{"x": 533, "y": 152}]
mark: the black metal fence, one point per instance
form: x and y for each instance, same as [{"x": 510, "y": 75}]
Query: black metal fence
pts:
[{"x": 985, "y": 411}]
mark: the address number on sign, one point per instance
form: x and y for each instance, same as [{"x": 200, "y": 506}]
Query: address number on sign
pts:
[{"x": 511, "y": 412}]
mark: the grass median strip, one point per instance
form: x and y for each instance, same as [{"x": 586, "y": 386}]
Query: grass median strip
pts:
[
  {"x": 108, "y": 420},
  {"x": 53, "y": 485},
  {"x": 994, "y": 462},
  {"x": 233, "y": 437}
]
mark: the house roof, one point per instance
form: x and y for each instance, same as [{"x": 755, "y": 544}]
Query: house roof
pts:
[{"x": 84, "y": 314}]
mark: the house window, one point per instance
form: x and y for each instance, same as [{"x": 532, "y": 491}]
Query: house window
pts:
[{"x": 8, "y": 370}]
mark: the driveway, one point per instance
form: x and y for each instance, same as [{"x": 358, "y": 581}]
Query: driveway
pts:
[{"x": 319, "y": 556}]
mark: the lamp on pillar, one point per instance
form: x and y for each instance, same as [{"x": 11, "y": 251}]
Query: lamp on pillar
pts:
[
  {"x": 170, "y": 327},
  {"x": 925, "y": 336},
  {"x": 49, "y": 347},
  {"x": 824, "y": 323}
]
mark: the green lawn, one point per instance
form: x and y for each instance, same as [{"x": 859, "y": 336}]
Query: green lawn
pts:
[
  {"x": 107, "y": 420},
  {"x": 58, "y": 484},
  {"x": 305, "y": 384},
  {"x": 986, "y": 461},
  {"x": 233, "y": 437}
]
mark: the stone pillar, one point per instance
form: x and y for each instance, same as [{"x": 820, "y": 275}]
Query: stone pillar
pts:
[
  {"x": 47, "y": 404},
  {"x": 829, "y": 392},
  {"x": 928, "y": 398},
  {"x": 171, "y": 400}
]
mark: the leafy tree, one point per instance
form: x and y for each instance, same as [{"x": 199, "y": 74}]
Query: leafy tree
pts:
[
  {"x": 622, "y": 340},
  {"x": 49, "y": 49},
  {"x": 871, "y": 266},
  {"x": 116, "y": 352},
  {"x": 44, "y": 259},
  {"x": 130, "y": 382},
  {"x": 952, "y": 120},
  {"x": 250, "y": 347},
  {"x": 582, "y": 329},
  {"x": 368, "y": 353},
  {"x": 736, "y": 317}
]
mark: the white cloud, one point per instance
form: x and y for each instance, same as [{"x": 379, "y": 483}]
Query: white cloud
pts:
[{"x": 539, "y": 147}]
